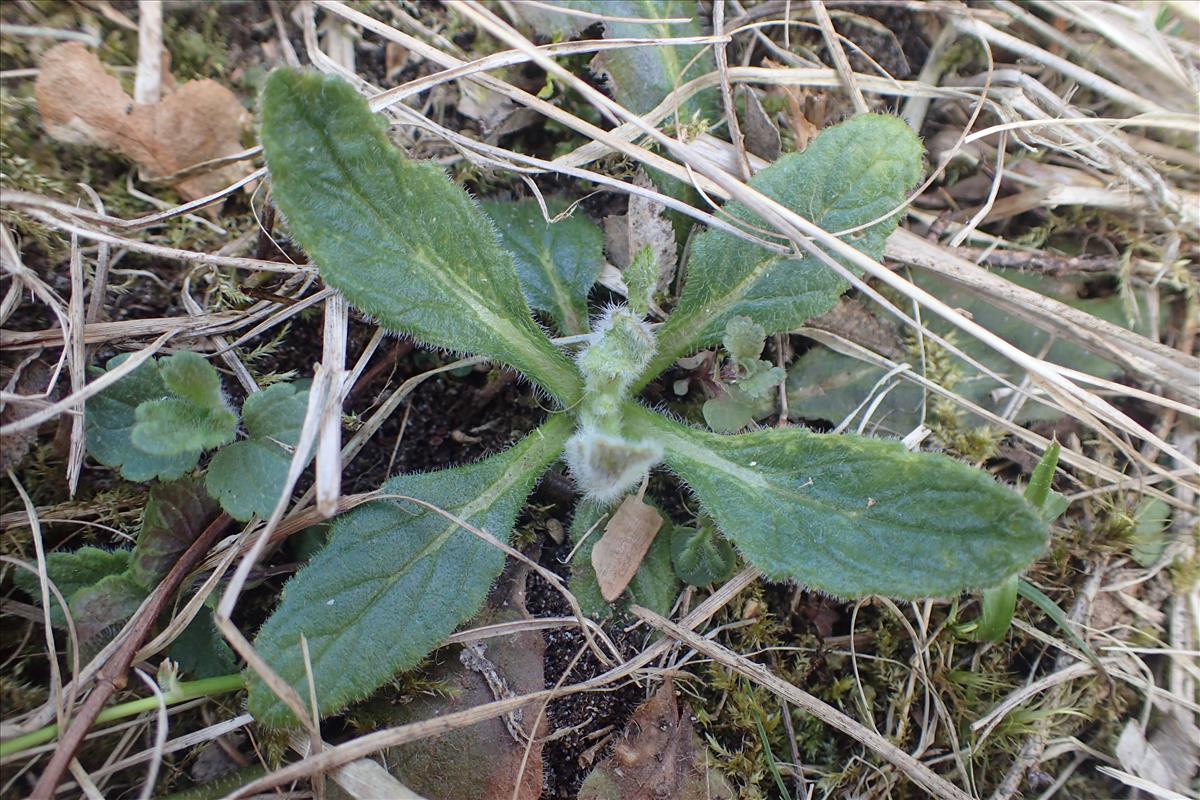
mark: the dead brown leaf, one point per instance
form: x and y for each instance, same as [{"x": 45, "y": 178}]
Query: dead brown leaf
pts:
[
  {"x": 657, "y": 758},
  {"x": 31, "y": 381},
  {"x": 762, "y": 137},
  {"x": 81, "y": 103},
  {"x": 645, "y": 223},
  {"x": 627, "y": 537}
]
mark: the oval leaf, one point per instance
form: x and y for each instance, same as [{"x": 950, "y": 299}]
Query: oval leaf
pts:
[
  {"x": 111, "y": 417},
  {"x": 397, "y": 237},
  {"x": 248, "y": 476},
  {"x": 557, "y": 262},
  {"x": 175, "y": 515},
  {"x": 396, "y": 579},
  {"x": 850, "y": 175},
  {"x": 701, "y": 556},
  {"x": 850, "y": 515}
]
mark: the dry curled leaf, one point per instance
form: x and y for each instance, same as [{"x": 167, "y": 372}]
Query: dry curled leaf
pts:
[
  {"x": 762, "y": 137},
  {"x": 81, "y": 103},
  {"x": 645, "y": 223}
]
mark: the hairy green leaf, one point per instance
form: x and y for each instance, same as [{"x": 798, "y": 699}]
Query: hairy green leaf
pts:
[
  {"x": 395, "y": 236},
  {"x": 557, "y": 263},
  {"x": 248, "y": 476},
  {"x": 850, "y": 515},
  {"x": 851, "y": 174},
  {"x": 701, "y": 555},
  {"x": 1150, "y": 534},
  {"x": 189, "y": 376},
  {"x": 172, "y": 425},
  {"x": 111, "y": 416},
  {"x": 195, "y": 417},
  {"x": 175, "y": 515},
  {"x": 641, "y": 278},
  {"x": 71, "y": 571},
  {"x": 395, "y": 579},
  {"x": 641, "y": 77},
  {"x": 743, "y": 340},
  {"x": 100, "y": 609},
  {"x": 1049, "y": 503}
]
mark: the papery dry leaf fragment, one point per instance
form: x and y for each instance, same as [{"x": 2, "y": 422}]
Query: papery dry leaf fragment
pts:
[
  {"x": 81, "y": 103},
  {"x": 645, "y": 223},
  {"x": 625, "y": 542}
]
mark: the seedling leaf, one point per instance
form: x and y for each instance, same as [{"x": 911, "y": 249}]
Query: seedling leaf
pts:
[
  {"x": 641, "y": 278},
  {"x": 175, "y": 515},
  {"x": 728, "y": 412},
  {"x": 71, "y": 571},
  {"x": 557, "y": 263},
  {"x": 111, "y": 416},
  {"x": 850, "y": 175},
  {"x": 96, "y": 609},
  {"x": 172, "y": 426},
  {"x": 850, "y": 515},
  {"x": 189, "y": 376},
  {"x": 277, "y": 412},
  {"x": 248, "y": 476},
  {"x": 701, "y": 556},
  {"x": 201, "y": 651},
  {"x": 395, "y": 236},
  {"x": 395, "y": 579}
]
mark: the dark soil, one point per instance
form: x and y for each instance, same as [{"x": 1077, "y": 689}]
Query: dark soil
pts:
[{"x": 591, "y": 716}]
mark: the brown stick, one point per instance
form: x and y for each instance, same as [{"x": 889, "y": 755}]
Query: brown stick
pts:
[{"x": 112, "y": 676}]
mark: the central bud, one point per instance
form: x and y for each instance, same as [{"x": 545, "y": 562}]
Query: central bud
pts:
[{"x": 604, "y": 463}]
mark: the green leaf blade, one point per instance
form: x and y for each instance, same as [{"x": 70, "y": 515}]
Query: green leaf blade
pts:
[
  {"x": 174, "y": 426},
  {"x": 189, "y": 376},
  {"x": 557, "y": 263},
  {"x": 395, "y": 236},
  {"x": 276, "y": 412},
  {"x": 641, "y": 77},
  {"x": 111, "y": 417},
  {"x": 849, "y": 515},
  {"x": 247, "y": 477},
  {"x": 996, "y": 611},
  {"x": 396, "y": 579},
  {"x": 175, "y": 515},
  {"x": 71, "y": 571},
  {"x": 701, "y": 556},
  {"x": 849, "y": 175}
]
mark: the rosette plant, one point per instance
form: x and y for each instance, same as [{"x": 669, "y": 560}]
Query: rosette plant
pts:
[{"x": 847, "y": 515}]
